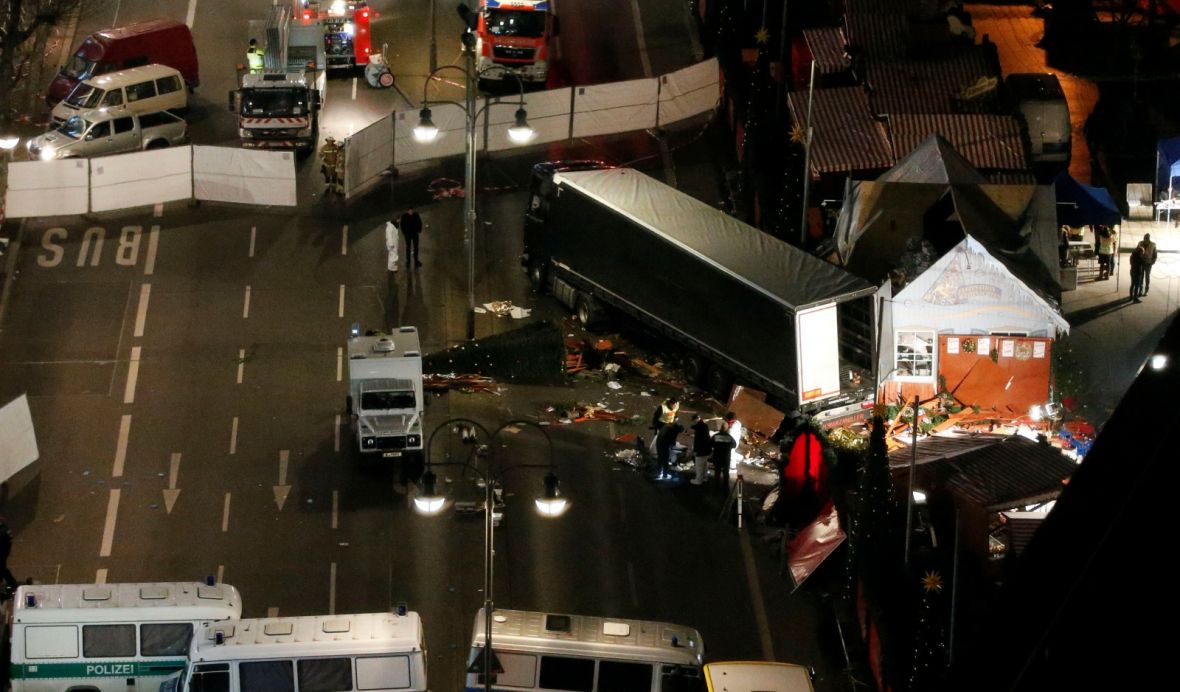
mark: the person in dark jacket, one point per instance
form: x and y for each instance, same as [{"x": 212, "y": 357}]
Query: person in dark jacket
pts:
[
  {"x": 723, "y": 446},
  {"x": 702, "y": 448},
  {"x": 665, "y": 441},
  {"x": 5, "y": 550},
  {"x": 411, "y": 225}
]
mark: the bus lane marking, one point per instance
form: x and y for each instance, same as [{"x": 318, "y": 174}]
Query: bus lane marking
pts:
[
  {"x": 132, "y": 376},
  {"x": 233, "y": 437},
  {"x": 145, "y": 294},
  {"x": 339, "y": 364},
  {"x": 108, "y": 527},
  {"x": 241, "y": 364},
  {"x": 340, "y": 312},
  {"x": 246, "y": 304},
  {"x": 344, "y": 238},
  {"x": 225, "y": 515},
  {"x": 100, "y": 576},
  {"x": 253, "y": 235},
  {"x": 121, "y": 446},
  {"x": 149, "y": 266}
]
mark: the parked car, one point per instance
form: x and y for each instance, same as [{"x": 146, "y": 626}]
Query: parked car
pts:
[
  {"x": 140, "y": 90},
  {"x": 159, "y": 41},
  {"x": 99, "y": 133}
]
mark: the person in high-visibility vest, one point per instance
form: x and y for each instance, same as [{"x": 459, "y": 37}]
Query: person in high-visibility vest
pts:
[
  {"x": 254, "y": 56},
  {"x": 664, "y": 414}
]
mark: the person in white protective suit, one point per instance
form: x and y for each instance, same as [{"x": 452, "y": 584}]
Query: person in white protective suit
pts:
[{"x": 391, "y": 246}]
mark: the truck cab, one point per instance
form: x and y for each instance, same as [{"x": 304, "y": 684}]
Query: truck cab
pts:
[
  {"x": 1038, "y": 100},
  {"x": 385, "y": 397},
  {"x": 516, "y": 35}
]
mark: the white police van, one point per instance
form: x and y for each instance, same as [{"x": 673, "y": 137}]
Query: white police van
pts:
[{"x": 108, "y": 637}]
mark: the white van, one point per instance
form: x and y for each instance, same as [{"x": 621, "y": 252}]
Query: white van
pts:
[
  {"x": 369, "y": 651},
  {"x": 109, "y": 637},
  {"x": 146, "y": 89},
  {"x": 757, "y": 676},
  {"x": 1037, "y": 98},
  {"x": 546, "y": 651}
]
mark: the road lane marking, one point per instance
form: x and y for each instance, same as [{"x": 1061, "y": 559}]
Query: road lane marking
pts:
[
  {"x": 332, "y": 591},
  {"x": 336, "y": 445},
  {"x": 225, "y": 515},
  {"x": 344, "y": 240},
  {"x": 282, "y": 489},
  {"x": 340, "y": 312},
  {"x": 335, "y": 508},
  {"x": 642, "y": 41},
  {"x": 192, "y": 13},
  {"x": 172, "y": 492},
  {"x": 631, "y": 583},
  {"x": 354, "y": 88},
  {"x": 121, "y": 446},
  {"x": 273, "y": 612},
  {"x": 145, "y": 294},
  {"x": 108, "y": 527},
  {"x": 158, "y": 210},
  {"x": 246, "y": 304},
  {"x": 755, "y": 588},
  {"x": 57, "y": 574},
  {"x": 132, "y": 376},
  {"x": 100, "y": 576},
  {"x": 233, "y": 437},
  {"x": 241, "y": 364},
  {"x": 221, "y": 574},
  {"x": 253, "y": 234},
  {"x": 149, "y": 266},
  {"x": 339, "y": 364}
]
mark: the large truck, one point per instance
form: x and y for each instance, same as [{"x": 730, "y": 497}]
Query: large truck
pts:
[
  {"x": 747, "y": 308},
  {"x": 516, "y": 35},
  {"x": 279, "y": 107},
  {"x": 347, "y": 38},
  {"x": 385, "y": 400}
]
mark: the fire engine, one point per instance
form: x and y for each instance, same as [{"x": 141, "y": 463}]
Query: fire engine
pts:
[
  {"x": 347, "y": 38},
  {"x": 515, "y": 34}
]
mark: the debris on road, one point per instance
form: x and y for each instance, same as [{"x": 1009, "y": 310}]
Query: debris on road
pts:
[
  {"x": 467, "y": 384},
  {"x": 505, "y": 308}
]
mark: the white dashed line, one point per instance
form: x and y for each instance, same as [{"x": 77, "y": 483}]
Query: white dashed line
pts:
[
  {"x": 354, "y": 88},
  {"x": 253, "y": 235},
  {"x": 121, "y": 446},
  {"x": 332, "y": 591},
  {"x": 344, "y": 240},
  {"x": 246, "y": 304},
  {"x": 340, "y": 312},
  {"x": 221, "y": 574},
  {"x": 145, "y": 294},
  {"x": 158, "y": 210},
  {"x": 336, "y": 445},
  {"x": 225, "y": 515},
  {"x": 132, "y": 376},
  {"x": 339, "y": 364},
  {"x": 149, "y": 266},
  {"x": 241, "y": 364},
  {"x": 100, "y": 576},
  {"x": 108, "y": 527},
  {"x": 233, "y": 437},
  {"x": 192, "y": 13},
  {"x": 273, "y": 612}
]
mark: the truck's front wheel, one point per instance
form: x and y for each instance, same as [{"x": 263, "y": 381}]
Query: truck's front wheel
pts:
[
  {"x": 589, "y": 311},
  {"x": 537, "y": 276}
]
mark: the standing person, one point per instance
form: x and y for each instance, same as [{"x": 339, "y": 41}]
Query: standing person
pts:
[
  {"x": 664, "y": 414},
  {"x": 411, "y": 225},
  {"x": 702, "y": 448},
  {"x": 665, "y": 441},
  {"x": 735, "y": 431},
  {"x": 5, "y": 550},
  {"x": 391, "y": 246},
  {"x": 1106, "y": 240},
  {"x": 331, "y": 157},
  {"x": 254, "y": 57},
  {"x": 723, "y": 446},
  {"x": 1137, "y": 263},
  {"x": 1149, "y": 257}
]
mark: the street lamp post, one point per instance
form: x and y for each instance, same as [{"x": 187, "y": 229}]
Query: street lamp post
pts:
[
  {"x": 426, "y": 131},
  {"x": 551, "y": 503}
]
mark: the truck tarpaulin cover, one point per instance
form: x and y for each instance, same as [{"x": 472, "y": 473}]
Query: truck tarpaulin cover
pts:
[{"x": 811, "y": 546}]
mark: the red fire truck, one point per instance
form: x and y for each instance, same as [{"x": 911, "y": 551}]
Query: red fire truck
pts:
[
  {"x": 515, "y": 34},
  {"x": 347, "y": 39}
]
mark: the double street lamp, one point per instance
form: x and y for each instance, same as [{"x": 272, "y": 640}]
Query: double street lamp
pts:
[
  {"x": 430, "y": 501},
  {"x": 426, "y": 131}
]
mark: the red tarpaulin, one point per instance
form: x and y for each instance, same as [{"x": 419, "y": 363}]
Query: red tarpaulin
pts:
[
  {"x": 804, "y": 474},
  {"x": 814, "y": 544}
]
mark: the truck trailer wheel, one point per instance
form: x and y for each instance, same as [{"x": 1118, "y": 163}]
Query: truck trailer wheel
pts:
[
  {"x": 589, "y": 311},
  {"x": 538, "y": 274},
  {"x": 718, "y": 383},
  {"x": 695, "y": 368}
]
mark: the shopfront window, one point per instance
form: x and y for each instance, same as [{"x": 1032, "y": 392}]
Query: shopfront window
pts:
[{"x": 915, "y": 354}]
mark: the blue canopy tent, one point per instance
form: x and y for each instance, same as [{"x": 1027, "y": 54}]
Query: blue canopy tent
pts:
[
  {"x": 1082, "y": 205},
  {"x": 1167, "y": 166}
]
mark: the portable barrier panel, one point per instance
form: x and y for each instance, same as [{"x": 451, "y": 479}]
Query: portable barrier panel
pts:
[
  {"x": 548, "y": 113},
  {"x": 141, "y": 178},
  {"x": 18, "y": 439},
  {"x": 367, "y": 154},
  {"x": 605, "y": 109},
  {"x": 693, "y": 90},
  {"x": 221, "y": 174},
  {"x": 47, "y": 188}
]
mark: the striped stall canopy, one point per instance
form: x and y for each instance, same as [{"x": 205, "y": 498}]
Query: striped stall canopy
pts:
[
  {"x": 847, "y": 137},
  {"x": 878, "y": 36},
  {"x": 989, "y": 142},
  {"x": 931, "y": 86},
  {"x": 827, "y": 47}
]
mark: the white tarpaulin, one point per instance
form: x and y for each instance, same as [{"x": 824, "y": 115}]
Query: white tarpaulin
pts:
[
  {"x": 221, "y": 174},
  {"x": 367, "y": 154},
  {"x": 451, "y": 122},
  {"x": 47, "y": 188},
  {"x": 548, "y": 115},
  {"x": 140, "y": 178},
  {"x": 684, "y": 93},
  {"x": 605, "y": 109},
  {"x": 18, "y": 440}
]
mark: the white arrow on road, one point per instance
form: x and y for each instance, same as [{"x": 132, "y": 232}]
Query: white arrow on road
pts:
[
  {"x": 282, "y": 489},
  {"x": 172, "y": 492}
]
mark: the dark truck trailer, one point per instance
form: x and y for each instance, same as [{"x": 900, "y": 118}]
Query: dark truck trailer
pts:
[{"x": 749, "y": 307}]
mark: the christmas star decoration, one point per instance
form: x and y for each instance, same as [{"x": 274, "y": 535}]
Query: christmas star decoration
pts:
[
  {"x": 762, "y": 36},
  {"x": 932, "y": 582},
  {"x": 797, "y": 135}
]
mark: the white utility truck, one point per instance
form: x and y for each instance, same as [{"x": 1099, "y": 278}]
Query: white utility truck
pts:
[{"x": 385, "y": 392}]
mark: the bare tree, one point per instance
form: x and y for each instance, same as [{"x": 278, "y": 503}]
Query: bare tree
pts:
[{"x": 25, "y": 27}]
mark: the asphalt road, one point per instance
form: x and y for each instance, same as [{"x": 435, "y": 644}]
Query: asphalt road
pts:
[{"x": 182, "y": 365}]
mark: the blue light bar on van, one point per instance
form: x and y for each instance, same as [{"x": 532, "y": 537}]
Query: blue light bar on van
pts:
[
  {"x": 31, "y": 600},
  {"x": 401, "y": 608},
  {"x": 537, "y": 6},
  {"x": 210, "y": 580}
]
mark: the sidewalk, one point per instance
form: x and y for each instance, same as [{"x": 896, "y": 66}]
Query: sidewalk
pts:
[{"x": 1110, "y": 337}]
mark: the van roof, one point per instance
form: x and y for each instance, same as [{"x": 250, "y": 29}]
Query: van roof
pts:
[
  {"x": 1034, "y": 86},
  {"x": 616, "y": 638},
  {"x": 136, "y": 602},
  {"x": 319, "y": 634},
  {"x": 404, "y": 340},
  {"x": 745, "y": 676},
  {"x": 132, "y": 75},
  {"x": 145, "y": 27}
]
